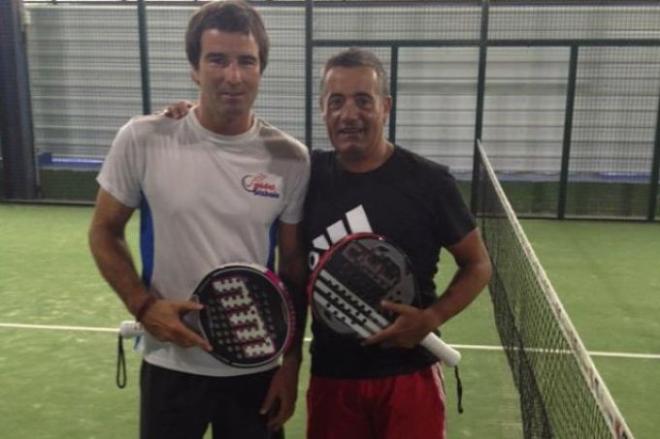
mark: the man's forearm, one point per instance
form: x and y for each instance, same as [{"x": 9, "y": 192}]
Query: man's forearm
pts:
[
  {"x": 465, "y": 286},
  {"x": 293, "y": 271},
  {"x": 115, "y": 263},
  {"x": 295, "y": 281}
]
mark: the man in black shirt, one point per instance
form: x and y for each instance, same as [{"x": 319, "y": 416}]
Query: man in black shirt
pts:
[{"x": 387, "y": 387}]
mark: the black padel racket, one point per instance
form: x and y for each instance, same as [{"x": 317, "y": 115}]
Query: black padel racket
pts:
[
  {"x": 354, "y": 276},
  {"x": 247, "y": 318}
]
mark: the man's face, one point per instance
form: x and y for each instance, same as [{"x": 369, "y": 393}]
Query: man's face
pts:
[
  {"x": 354, "y": 111},
  {"x": 228, "y": 73}
]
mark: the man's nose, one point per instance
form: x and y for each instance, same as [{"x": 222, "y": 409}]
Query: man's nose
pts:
[
  {"x": 349, "y": 110},
  {"x": 233, "y": 73}
]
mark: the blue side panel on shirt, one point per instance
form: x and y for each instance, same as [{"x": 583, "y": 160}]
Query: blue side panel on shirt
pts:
[
  {"x": 272, "y": 237},
  {"x": 146, "y": 241}
]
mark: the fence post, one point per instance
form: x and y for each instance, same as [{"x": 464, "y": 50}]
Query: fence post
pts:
[
  {"x": 655, "y": 170},
  {"x": 394, "y": 90},
  {"x": 144, "y": 57},
  {"x": 309, "y": 70},
  {"x": 479, "y": 120},
  {"x": 21, "y": 180},
  {"x": 568, "y": 132}
]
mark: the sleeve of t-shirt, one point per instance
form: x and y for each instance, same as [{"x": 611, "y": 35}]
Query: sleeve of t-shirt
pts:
[
  {"x": 293, "y": 210},
  {"x": 122, "y": 170},
  {"x": 453, "y": 216}
]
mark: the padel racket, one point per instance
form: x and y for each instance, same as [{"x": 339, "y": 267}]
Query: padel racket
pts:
[
  {"x": 247, "y": 318},
  {"x": 354, "y": 276}
]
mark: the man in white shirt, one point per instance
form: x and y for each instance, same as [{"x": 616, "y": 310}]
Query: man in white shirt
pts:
[{"x": 198, "y": 184}]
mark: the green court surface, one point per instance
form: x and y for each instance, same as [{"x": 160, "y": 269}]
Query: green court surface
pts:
[{"x": 60, "y": 382}]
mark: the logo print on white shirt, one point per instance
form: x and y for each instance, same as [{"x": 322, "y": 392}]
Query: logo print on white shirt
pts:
[{"x": 261, "y": 185}]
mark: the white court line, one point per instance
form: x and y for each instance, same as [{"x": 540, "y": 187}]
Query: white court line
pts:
[
  {"x": 308, "y": 339},
  {"x": 58, "y": 327},
  {"x": 591, "y": 353}
]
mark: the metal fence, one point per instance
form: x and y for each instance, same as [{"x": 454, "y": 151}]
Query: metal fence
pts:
[{"x": 566, "y": 94}]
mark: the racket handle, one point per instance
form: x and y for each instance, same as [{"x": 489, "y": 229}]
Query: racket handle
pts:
[
  {"x": 130, "y": 329},
  {"x": 441, "y": 350}
]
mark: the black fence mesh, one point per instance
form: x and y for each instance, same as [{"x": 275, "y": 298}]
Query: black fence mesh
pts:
[
  {"x": 570, "y": 92},
  {"x": 614, "y": 130}
]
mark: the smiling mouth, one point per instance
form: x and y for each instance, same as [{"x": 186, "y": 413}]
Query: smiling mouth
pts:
[
  {"x": 350, "y": 131},
  {"x": 231, "y": 95}
]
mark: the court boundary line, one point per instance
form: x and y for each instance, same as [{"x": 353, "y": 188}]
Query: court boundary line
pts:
[{"x": 308, "y": 339}]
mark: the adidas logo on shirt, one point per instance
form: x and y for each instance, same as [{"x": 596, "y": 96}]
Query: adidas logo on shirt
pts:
[{"x": 354, "y": 221}]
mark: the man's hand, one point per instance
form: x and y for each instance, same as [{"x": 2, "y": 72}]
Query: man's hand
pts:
[
  {"x": 409, "y": 328},
  {"x": 178, "y": 110},
  {"x": 280, "y": 400},
  {"x": 163, "y": 321}
]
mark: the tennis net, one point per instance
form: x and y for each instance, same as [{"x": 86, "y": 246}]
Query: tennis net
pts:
[{"x": 561, "y": 393}]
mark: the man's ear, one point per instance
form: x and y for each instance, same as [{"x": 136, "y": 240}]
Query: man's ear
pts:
[
  {"x": 194, "y": 75},
  {"x": 387, "y": 103},
  {"x": 321, "y": 104}
]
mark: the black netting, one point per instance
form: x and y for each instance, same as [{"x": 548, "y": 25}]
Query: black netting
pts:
[{"x": 546, "y": 356}]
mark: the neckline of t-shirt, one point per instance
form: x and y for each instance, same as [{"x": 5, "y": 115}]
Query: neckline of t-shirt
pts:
[
  {"x": 224, "y": 139},
  {"x": 376, "y": 171}
]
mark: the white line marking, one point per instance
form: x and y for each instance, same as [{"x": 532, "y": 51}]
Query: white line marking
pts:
[
  {"x": 58, "y": 327},
  {"x": 591, "y": 353},
  {"x": 624, "y": 355},
  {"x": 467, "y": 347}
]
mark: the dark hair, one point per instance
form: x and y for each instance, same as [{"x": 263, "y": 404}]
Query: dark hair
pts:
[
  {"x": 355, "y": 57},
  {"x": 228, "y": 16}
]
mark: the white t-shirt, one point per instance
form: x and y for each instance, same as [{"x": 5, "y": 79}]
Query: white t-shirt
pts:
[{"x": 205, "y": 200}]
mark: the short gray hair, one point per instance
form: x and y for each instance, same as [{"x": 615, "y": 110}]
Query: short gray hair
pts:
[{"x": 355, "y": 57}]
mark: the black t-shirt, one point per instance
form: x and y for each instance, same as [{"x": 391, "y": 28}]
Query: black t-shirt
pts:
[{"x": 410, "y": 200}]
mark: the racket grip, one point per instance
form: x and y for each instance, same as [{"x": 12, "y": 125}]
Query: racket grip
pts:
[
  {"x": 441, "y": 350},
  {"x": 130, "y": 329}
]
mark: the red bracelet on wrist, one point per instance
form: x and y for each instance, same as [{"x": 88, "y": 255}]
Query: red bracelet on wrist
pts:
[{"x": 142, "y": 310}]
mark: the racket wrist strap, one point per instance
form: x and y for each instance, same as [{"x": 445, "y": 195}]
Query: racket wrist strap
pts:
[
  {"x": 459, "y": 390},
  {"x": 120, "y": 377},
  {"x": 144, "y": 307}
]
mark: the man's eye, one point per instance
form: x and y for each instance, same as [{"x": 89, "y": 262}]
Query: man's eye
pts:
[
  {"x": 218, "y": 60},
  {"x": 334, "y": 102},
  {"x": 248, "y": 61},
  {"x": 363, "y": 102}
]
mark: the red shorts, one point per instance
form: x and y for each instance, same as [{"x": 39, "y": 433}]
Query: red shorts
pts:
[{"x": 398, "y": 407}]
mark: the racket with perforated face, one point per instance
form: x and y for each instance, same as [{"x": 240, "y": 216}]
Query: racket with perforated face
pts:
[
  {"x": 354, "y": 276},
  {"x": 247, "y": 318}
]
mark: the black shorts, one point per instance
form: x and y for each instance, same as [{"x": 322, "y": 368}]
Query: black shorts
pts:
[{"x": 177, "y": 405}]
